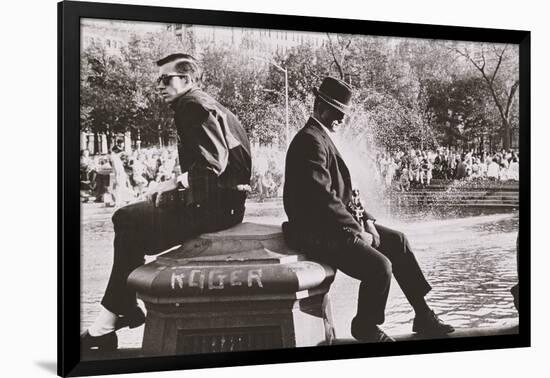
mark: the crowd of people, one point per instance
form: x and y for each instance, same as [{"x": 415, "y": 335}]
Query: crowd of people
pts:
[
  {"x": 121, "y": 177},
  {"x": 404, "y": 170},
  {"x": 267, "y": 172}
]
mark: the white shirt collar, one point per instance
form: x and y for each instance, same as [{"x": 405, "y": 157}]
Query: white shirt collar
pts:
[{"x": 330, "y": 134}]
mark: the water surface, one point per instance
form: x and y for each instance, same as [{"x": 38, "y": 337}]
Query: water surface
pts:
[{"x": 469, "y": 259}]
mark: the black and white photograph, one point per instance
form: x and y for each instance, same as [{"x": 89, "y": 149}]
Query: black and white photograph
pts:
[
  {"x": 256, "y": 192},
  {"x": 392, "y": 165}
]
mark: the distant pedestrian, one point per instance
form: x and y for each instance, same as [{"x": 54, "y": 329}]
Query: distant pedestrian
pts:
[{"x": 493, "y": 170}]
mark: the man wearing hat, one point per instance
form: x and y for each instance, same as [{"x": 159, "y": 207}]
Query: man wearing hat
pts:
[{"x": 317, "y": 191}]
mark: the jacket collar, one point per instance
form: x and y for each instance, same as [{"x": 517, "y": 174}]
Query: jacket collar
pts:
[
  {"x": 312, "y": 122},
  {"x": 315, "y": 124},
  {"x": 182, "y": 97}
]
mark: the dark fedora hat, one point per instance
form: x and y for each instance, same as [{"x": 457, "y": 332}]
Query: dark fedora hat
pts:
[{"x": 336, "y": 93}]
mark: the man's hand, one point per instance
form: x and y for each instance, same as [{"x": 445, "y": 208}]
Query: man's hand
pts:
[
  {"x": 163, "y": 193},
  {"x": 371, "y": 229},
  {"x": 366, "y": 237},
  {"x": 183, "y": 180}
]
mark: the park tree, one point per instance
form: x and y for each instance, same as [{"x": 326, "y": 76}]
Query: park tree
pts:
[
  {"x": 148, "y": 115},
  {"x": 497, "y": 65},
  {"x": 473, "y": 111},
  {"x": 390, "y": 92},
  {"x": 463, "y": 111},
  {"x": 102, "y": 90},
  {"x": 239, "y": 83},
  {"x": 407, "y": 92},
  {"x": 118, "y": 90},
  {"x": 306, "y": 67}
]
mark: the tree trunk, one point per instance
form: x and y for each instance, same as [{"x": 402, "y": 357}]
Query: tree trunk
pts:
[
  {"x": 109, "y": 137},
  {"x": 160, "y": 136},
  {"x": 481, "y": 144},
  {"x": 96, "y": 143},
  {"x": 505, "y": 135}
]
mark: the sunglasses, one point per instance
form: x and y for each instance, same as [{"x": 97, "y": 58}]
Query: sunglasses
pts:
[{"x": 165, "y": 79}]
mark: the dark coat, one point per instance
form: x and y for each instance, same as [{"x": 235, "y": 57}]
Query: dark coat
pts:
[
  {"x": 317, "y": 186},
  {"x": 213, "y": 147},
  {"x": 461, "y": 171}
]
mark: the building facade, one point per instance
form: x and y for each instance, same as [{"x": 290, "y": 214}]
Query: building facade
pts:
[{"x": 264, "y": 41}]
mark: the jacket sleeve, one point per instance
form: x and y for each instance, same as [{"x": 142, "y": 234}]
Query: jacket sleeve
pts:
[
  {"x": 312, "y": 167},
  {"x": 206, "y": 132}
]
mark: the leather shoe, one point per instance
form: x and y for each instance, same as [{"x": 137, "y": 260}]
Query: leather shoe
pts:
[
  {"x": 370, "y": 333},
  {"x": 430, "y": 324},
  {"x": 109, "y": 342},
  {"x": 103, "y": 343},
  {"x": 132, "y": 319}
]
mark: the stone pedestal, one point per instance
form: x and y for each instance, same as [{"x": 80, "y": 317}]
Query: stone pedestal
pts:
[{"x": 239, "y": 289}]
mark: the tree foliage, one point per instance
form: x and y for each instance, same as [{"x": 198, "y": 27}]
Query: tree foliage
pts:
[
  {"x": 407, "y": 92},
  {"x": 498, "y": 66}
]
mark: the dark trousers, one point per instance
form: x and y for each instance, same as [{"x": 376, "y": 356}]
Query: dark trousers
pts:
[
  {"x": 143, "y": 229},
  {"x": 374, "y": 268}
]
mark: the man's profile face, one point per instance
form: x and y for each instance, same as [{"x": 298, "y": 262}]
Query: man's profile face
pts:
[
  {"x": 171, "y": 83},
  {"x": 333, "y": 118}
]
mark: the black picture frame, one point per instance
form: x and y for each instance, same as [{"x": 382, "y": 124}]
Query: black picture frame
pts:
[{"x": 69, "y": 15}]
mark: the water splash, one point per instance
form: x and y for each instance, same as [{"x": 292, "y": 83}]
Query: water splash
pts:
[{"x": 359, "y": 158}]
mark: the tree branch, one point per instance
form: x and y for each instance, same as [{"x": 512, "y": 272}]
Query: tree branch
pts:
[
  {"x": 335, "y": 60},
  {"x": 344, "y": 50},
  {"x": 498, "y": 64},
  {"x": 468, "y": 57},
  {"x": 488, "y": 81},
  {"x": 511, "y": 97}
]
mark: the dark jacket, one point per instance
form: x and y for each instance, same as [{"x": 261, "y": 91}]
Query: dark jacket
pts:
[
  {"x": 317, "y": 186},
  {"x": 213, "y": 146},
  {"x": 461, "y": 171}
]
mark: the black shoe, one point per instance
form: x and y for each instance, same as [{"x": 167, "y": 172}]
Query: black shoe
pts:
[
  {"x": 370, "y": 334},
  {"x": 430, "y": 324},
  {"x": 132, "y": 319},
  {"x": 103, "y": 343}
]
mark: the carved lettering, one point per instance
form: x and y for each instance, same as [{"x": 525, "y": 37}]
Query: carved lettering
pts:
[
  {"x": 255, "y": 275},
  {"x": 177, "y": 278},
  {"x": 192, "y": 281},
  {"x": 234, "y": 279},
  {"x": 215, "y": 284}
]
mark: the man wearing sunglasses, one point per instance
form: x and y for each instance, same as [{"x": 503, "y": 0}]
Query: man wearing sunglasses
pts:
[{"x": 215, "y": 161}]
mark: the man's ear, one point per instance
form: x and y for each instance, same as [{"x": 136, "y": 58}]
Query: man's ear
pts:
[{"x": 187, "y": 79}]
